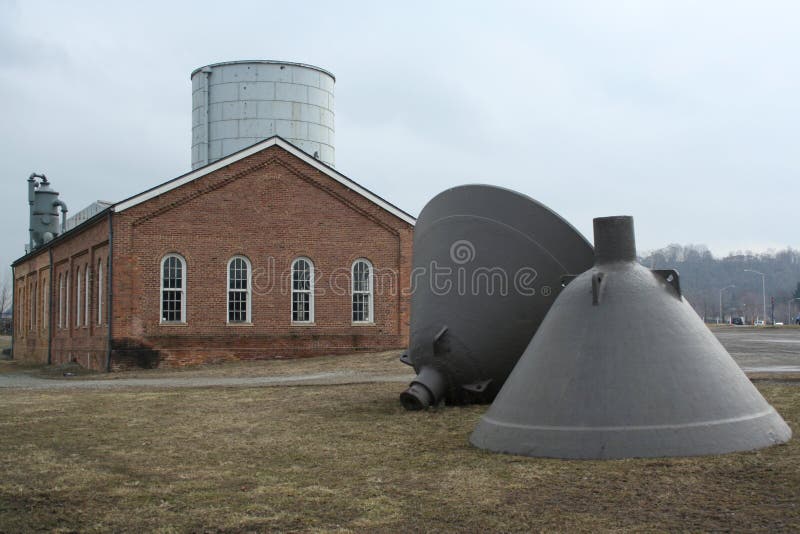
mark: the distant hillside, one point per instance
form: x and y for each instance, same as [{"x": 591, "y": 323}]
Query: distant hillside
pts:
[{"x": 702, "y": 276}]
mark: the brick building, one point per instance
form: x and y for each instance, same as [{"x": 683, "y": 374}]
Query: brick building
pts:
[{"x": 266, "y": 253}]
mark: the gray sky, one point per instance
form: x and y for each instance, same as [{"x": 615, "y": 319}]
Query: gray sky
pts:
[{"x": 683, "y": 114}]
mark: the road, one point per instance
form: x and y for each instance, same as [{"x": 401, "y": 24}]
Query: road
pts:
[
  {"x": 762, "y": 350},
  {"x": 27, "y": 381}
]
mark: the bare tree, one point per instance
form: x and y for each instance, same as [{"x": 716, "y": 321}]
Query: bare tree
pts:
[{"x": 5, "y": 292}]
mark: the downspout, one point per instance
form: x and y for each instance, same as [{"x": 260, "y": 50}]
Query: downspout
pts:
[
  {"x": 50, "y": 311},
  {"x": 109, "y": 294},
  {"x": 14, "y": 314}
]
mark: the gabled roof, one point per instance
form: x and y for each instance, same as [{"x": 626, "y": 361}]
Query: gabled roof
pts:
[
  {"x": 197, "y": 173},
  {"x": 258, "y": 147}
]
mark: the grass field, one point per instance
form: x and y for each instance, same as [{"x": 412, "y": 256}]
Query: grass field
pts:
[{"x": 348, "y": 458}]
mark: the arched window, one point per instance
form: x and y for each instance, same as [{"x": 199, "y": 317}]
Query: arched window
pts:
[
  {"x": 78, "y": 302},
  {"x": 99, "y": 291},
  {"x": 86, "y": 297},
  {"x": 66, "y": 300},
  {"x": 61, "y": 300},
  {"x": 302, "y": 291},
  {"x": 173, "y": 289},
  {"x": 239, "y": 290},
  {"x": 362, "y": 289},
  {"x": 32, "y": 301},
  {"x": 20, "y": 313},
  {"x": 45, "y": 307}
]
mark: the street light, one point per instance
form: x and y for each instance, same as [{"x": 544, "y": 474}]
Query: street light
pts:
[
  {"x": 719, "y": 319},
  {"x": 763, "y": 290}
]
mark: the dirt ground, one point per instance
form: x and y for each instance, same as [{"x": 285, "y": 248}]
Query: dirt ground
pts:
[{"x": 346, "y": 457}]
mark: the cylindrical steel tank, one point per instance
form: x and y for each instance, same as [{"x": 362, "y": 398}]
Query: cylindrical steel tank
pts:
[{"x": 238, "y": 103}]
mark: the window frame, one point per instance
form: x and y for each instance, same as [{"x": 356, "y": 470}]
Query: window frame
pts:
[
  {"x": 248, "y": 291},
  {"x": 162, "y": 289},
  {"x": 60, "y": 300},
  {"x": 67, "y": 278},
  {"x": 99, "y": 292},
  {"x": 87, "y": 295},
  {"x": 32, "y": 300},
  {"x": 309, "y": 291},
  {"x": 45, "y": 308},
  {"x": 78, "y": 303},
  {"x": 370, "y": 292}
]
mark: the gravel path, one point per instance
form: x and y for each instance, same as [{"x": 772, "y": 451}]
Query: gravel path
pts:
[
  {"x": 25, "y": 381},
  {"x": 755, "y": 350}
]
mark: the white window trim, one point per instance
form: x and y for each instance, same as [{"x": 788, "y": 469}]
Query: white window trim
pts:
[
  {"x": 371, "y": 291},
  {"x": 100, "y": 292},
  {"x": 66, "y": 300},
  {"x": 78, "y": 303},
  {"x": 32, "y": 300},
  {"x": 249, "y": 291},
  {"x": 162, "y": 289},
  {"x": 86, "y": 295},
  {"x": 310, "y": 291},
  {"x": 45, "y": 307},
  {"x": 60, "y": 300}
]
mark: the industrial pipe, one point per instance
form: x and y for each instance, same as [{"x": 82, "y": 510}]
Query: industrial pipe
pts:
[
  {"x": 63, "y": 206},
  {"x": 426, "y": 390}
]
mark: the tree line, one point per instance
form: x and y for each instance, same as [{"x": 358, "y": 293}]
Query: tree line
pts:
[{"x": 703, "y": 277}]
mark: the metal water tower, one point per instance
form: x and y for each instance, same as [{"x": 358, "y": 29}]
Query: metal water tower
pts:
[{"x": 238, "y": 103}]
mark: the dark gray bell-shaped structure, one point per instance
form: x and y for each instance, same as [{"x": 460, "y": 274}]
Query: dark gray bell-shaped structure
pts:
[
  {"x": 623, "y": 367},
  {"x": 487, "y": 267}
]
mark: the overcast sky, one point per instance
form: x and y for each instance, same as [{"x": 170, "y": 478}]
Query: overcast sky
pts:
[{"x": 685, "y": 115}]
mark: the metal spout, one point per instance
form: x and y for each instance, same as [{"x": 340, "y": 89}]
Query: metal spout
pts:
[
  {"x": 426, "y": 390},
  {"x": 614, "y": 239}
]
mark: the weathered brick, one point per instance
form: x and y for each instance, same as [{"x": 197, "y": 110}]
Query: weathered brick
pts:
[{"x": 271, "y": 207}]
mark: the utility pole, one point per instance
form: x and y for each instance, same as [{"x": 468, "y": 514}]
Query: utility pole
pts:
[
  {"x": 763, "y": 290},
  {"x": 719, "y": 320},
  {"x": 772, "y": 311}
]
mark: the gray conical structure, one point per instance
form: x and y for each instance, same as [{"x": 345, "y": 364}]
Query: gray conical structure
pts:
[
  {"x": 623, "y": 367},
  {"x": 487, "y": 266}
]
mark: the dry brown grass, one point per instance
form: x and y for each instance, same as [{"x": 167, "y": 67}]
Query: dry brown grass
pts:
[
  {"x": 15, "y": 366},
  {"x": 347, "y": 458}
]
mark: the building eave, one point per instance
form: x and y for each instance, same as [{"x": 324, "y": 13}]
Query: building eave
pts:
[{"x": 249, "y": 151}]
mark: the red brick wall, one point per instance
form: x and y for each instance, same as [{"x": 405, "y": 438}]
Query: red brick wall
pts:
[
  {"x": 56, "y": 312},
  {"x": 271, "y": 208},
  {"x": 30, "y": 317},
  {"x": 86, "y": 343}
]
